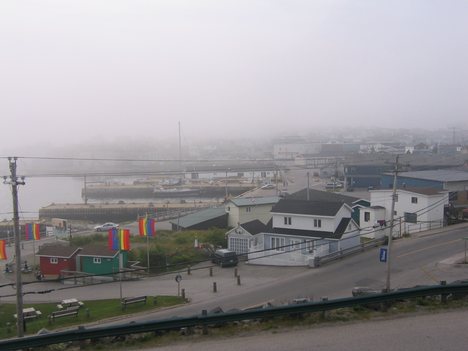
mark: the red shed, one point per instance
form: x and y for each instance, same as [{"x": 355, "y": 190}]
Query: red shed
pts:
[{"x": 53, "y": 258}]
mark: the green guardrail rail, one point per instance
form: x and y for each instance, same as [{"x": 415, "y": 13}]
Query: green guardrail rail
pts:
[{"x": 82, "y": 333}]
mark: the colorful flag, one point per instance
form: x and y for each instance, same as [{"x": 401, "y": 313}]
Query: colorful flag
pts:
[
  {"x": 147, "y": 226},
  {"x": 32, "y": 231},
  {"x": 119, "y": 239},
  {"x": 124, "y": 239},
  {"x": 3, "y": 255},
  {"x": 113, "y": 239}
]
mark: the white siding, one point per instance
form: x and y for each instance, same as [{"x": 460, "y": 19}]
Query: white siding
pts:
[{"x": 429, "y": 209}]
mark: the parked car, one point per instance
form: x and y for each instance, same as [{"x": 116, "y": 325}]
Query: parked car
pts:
[
  {"x": 106, "y": 226},
  {"x": 225, "y": 258}
]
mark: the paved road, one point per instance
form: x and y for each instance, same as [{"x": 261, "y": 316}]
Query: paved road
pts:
[
  {"x": 444, "y": 331},
  {"x": 423, "y": 259}
]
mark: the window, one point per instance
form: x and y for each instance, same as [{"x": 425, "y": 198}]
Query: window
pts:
[
  {"x": 248, "y": 209},
  {"x": 366, "y": 216},
  {"x": 414, "y": 200},
  {"x": 97, "y": 260},
  {"x": 317, "y": 223},
  {"x": 239, "y": 245},
  {"x": 54, "y": 260},
  {"x": 277, "y": 244},
  {"x": 396, "y": 197},
  {"x": 287, "y": 220},
  {"x": 309, "y": 245},
  {"x": 395, "y": 213},
  {"x": 411, "y": 217}
]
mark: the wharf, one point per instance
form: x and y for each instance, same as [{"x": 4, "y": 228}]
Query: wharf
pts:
[{"x": 120, "y": 212}]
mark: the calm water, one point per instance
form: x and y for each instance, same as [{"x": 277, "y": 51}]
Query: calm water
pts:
[{"x": 37, "y": 193}]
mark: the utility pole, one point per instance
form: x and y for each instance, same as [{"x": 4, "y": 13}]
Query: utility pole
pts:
[
  {"x": 392, "y": 214},
  {"x": 85, "y": 194},
  {"x": 14, "y": 182}
]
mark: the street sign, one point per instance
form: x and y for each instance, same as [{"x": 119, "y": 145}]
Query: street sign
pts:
[
  {"x": 383, "y": 254},
  {"x": 178, "y": 278}
]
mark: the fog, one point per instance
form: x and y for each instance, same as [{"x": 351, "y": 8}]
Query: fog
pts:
[{"x": 79, "y": 72}]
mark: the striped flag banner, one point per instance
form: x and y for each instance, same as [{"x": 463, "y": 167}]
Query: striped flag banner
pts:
[
  {"x": 113, "y": 239},
  {"x": 147, "y": 226},
  {"x": 3, "y": 255},
  {"x": 119, "y": 239},
  {"x": 124, "y": 239},
  {"x": 32, "y": 231}
]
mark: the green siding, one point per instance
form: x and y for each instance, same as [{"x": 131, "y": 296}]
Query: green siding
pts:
[{"x": 108, "y": 265}]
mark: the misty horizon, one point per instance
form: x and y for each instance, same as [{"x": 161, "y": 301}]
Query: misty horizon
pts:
[{"x": 77, "y": 72}]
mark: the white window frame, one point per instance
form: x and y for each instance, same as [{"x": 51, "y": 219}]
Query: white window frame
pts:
[
  {"x": 97, "y": 260},
  {"x": 309, "y": 245},
  {"x": 317, "y": 223},
  {"x": 414, "y": 199},
  {"x": 53, "y": 260},
  {"x": 366, "y": 216},
  {"x": 287, "y": 220},
  {"x": 277, "y": 243}
]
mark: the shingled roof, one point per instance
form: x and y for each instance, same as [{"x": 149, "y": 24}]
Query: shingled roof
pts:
[
  {"x": 254, "y": 227},
  {"x": 57, "y": 250},
  {"x": 317, "y": 208},
  {"x": 337, "y": 234},
  {"x": 98, "y": 250},
  {"x": 317, "y": 195}
]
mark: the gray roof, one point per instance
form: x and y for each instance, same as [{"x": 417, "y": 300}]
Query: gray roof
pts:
[
  {"x": 252, "y": 201},
  {"x": 337, "y": 234},
  {"x": 254, "y": 227},
  {"x": 318, "y": 208},
  {"x": 440, "y": 175},
  {"x": 57, "y": 250},
  {"x": 199, "y": 217},
  {"x": 423, "y": 191},
  {"x": 98, "y": 250},
  {"x": 317, "y": 195}
]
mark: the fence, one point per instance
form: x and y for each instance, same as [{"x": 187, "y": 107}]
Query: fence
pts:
[{"x": 318, "y": 261}]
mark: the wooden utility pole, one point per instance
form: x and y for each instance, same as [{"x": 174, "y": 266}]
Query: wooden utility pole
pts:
[
  {"x": 392, "y": 214},
  {"x": 14, "y": 182}
]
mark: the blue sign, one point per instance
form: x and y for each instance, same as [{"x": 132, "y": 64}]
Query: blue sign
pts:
[{"x": 383, "y": 254}]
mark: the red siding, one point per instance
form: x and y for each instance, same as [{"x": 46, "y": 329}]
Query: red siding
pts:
[{"x": 48, "y": 268}]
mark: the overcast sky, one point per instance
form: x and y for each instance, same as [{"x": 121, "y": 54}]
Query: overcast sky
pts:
[{"x": 130, "y": 69}]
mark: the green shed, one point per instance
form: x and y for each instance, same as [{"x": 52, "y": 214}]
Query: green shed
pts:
[{"x": 96, "y": 259}]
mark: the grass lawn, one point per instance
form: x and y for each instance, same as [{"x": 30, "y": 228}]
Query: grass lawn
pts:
[{"x": 92, "y": 311}]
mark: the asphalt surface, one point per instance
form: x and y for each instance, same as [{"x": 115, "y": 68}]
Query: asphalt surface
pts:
[{"x": 445, "y": 331}]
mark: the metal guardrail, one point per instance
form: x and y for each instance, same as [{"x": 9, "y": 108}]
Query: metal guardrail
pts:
[{"x": 83, "y": 333}]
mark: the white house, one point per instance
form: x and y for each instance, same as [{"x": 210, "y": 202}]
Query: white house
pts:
[
  {"x": 301, "y": 230},
  {"x": 240, "y": 238},
  {"x": 246, "y": 209},
  {"x": 416, "y": 209},
  {"x": 372, "y": 222}
]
